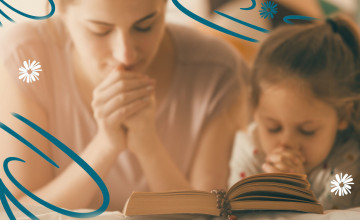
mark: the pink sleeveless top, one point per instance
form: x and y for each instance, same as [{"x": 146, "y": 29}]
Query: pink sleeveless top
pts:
[{"x": 204, "y": 82}]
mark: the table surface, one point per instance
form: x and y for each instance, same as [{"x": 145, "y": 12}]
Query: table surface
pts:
[{"x": 46, "y": 214}]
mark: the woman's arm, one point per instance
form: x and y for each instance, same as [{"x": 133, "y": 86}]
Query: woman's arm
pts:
[
  {"x": 73, "y": 188},
  {"x": 210, "y": 169}
]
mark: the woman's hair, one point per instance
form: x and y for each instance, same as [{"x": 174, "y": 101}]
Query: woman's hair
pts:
[
  {"x": 62, "y": 4},
  {"x": 324, "y": 56}
]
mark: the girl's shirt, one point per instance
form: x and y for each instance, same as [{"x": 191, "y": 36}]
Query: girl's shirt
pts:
[
  {"x": 205, "y": 81},
  {"x": 247, "y": 160}
]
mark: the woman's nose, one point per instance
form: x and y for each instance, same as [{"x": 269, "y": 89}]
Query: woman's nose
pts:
[{"x": 124, "y": 51}]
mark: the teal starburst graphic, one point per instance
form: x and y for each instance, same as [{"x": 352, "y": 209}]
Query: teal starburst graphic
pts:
[{"x": 268, "y": 10}]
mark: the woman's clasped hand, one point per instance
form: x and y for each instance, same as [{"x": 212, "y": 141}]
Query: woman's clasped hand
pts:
[{"x": 120, "y": 102}]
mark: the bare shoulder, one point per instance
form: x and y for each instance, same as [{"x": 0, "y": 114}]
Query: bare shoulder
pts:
[
  {"x": 199, "y": 47},
  {"x": 13, "y": 98},
  {"x": 36, "y": 171}
]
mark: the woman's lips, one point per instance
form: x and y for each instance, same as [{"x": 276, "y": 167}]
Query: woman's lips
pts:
[{"x": 125, "y": 67}]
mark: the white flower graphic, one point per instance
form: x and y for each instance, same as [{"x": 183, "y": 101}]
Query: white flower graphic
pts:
[
  {"x": 30, "y": 71},
  {"x": 342, "y": 184}
]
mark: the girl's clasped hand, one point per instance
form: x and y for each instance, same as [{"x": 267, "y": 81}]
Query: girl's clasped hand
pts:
[{"x": 283, "y": 159}]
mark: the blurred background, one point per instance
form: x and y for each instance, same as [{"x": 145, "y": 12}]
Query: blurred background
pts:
[{"x": 205, "y": 9}]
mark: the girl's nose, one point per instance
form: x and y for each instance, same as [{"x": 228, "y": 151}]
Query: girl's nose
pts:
[
  {"x": 124, "y": 51},
  {"x": 289, "y": 140}
]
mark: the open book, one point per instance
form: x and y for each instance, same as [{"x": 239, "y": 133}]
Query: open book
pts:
[{"x": 270, "y": 191}]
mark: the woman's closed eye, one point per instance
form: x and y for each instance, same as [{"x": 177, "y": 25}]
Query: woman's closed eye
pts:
[
  {"x": 143, "y": 29},
  {"x": 99, "y": 31},
  {"x": 147, "y": 23},
  {"x": 145, "y": 26},
  {"x": 103, "y": 33}
]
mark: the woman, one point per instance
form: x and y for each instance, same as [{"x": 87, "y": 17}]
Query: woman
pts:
[{"x": 146, "y": 105}]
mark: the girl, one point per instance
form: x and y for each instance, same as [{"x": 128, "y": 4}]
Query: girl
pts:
[
  {"x": 144, "y": 103},
  {"x": 306, "y": 102}
]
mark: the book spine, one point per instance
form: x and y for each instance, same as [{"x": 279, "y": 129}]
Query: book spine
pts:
[{"x": 223, "y": 204}]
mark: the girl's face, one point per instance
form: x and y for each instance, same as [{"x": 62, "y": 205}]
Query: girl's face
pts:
[
  {"x": 111, "y": 33},
  {"x": 293, "y": 118}
]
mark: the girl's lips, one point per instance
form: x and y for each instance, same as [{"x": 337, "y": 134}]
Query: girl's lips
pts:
[{"x": 129, "y": 68}]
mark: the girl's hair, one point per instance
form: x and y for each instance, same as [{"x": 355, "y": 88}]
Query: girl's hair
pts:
[{"x": 324, "y": 56}]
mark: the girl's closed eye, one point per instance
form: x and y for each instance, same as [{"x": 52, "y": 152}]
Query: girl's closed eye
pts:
[
  {"x": 274, "y": 129},
  {"x": 271, "y": 125},
  {"x": 308, "y": 129},
  {"x": 307, "y": 132}
]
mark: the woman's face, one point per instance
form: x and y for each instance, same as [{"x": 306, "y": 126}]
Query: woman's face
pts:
[
  {"x": 294, "y": 118},
  {"x": 111, "y": 33}
]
